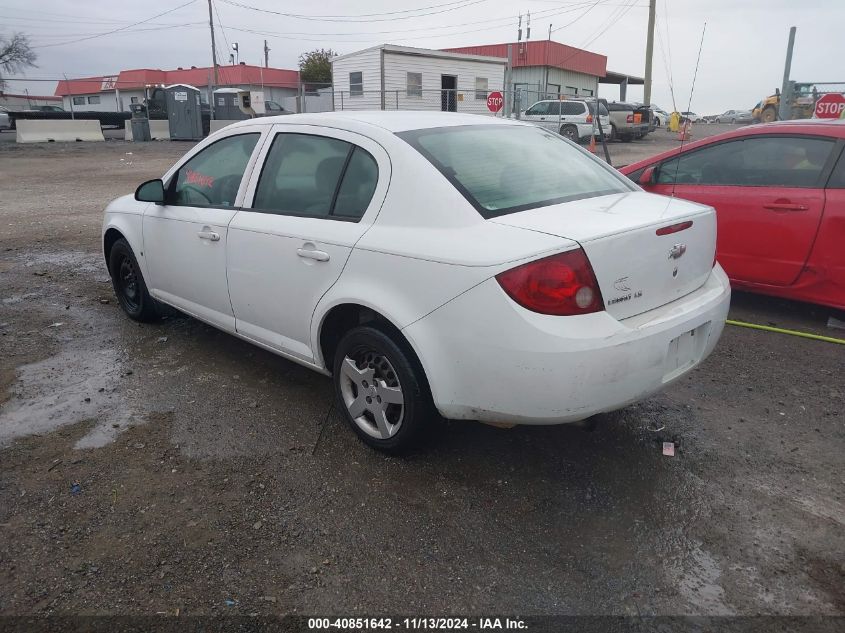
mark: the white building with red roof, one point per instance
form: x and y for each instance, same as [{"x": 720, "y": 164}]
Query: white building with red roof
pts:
[{"x": 115, "y": 93}]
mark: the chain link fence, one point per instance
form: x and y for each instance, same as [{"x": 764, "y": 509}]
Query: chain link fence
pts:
[{"x": 444, "y": 100}]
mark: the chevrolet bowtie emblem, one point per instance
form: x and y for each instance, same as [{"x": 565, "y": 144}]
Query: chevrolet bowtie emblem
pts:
[{"x": 677, "y": 251}]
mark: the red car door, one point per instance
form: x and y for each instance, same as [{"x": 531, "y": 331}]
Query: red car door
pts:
[{"x": 768, "y": 198}]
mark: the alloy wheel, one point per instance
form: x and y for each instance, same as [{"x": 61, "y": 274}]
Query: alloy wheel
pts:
[{"x": 370, "y": 389}]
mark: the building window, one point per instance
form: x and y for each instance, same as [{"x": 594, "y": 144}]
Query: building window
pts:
[
  {"x": 571, "y": 90},
  {"x": 481, "y": 88},
  {"x": 356, "y": 84},
  {"x": 79, "y": 101},
  {"x": 553, "y": 90},
  {"x": 133, "y": 100},
  {"x": 95, "y": 99},
  {"x": 415, "y": 84},
  {"x": 587, "y": 92}
]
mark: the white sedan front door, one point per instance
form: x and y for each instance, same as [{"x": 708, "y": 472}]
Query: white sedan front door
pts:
[
  {"x": 318, "y": 192},
  {"x": 185, "y": 239}
]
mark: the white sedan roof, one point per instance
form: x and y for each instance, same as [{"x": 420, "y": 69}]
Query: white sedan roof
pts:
[{"x": 390, "y": 120}]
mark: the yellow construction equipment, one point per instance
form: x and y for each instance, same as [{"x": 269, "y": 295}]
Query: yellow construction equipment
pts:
[{"x": 804, "y": 98}]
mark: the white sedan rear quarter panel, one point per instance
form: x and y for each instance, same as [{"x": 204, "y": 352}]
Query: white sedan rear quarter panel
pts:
[{"x": 489, "y": 359}]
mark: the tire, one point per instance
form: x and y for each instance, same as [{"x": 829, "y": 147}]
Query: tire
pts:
[
  {"x": 570, "y": 132},
  {"x": 769, "y": 114},
  {"x": 129, "y": 284},
  {"x": 613, "y": 135},
  {"x": 369, "y": 365},
  {"x": 733, "y": 121}
]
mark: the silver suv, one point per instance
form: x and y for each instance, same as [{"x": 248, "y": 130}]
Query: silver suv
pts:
[{"x": 572, "y": 118}]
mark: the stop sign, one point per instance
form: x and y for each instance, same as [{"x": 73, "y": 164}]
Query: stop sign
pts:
[
  {"x": 830, "y": 106},
  {"x": 495, "y": 101}
]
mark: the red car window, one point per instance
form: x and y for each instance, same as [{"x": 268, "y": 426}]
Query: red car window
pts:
[{"x": 761, "y": 161}]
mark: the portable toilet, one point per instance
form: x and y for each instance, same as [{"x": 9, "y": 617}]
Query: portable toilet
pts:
[
  {"x": 228, "y": 104},
  {"x": 184, "y": 112}
]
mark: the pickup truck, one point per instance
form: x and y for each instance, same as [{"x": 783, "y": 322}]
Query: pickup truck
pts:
[{"x": 628, "y": 121}]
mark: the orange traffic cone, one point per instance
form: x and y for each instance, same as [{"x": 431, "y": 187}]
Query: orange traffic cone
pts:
[{"x": 592, "y": 145}]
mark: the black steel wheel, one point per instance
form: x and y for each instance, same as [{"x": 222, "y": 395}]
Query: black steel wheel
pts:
[{"x": 128, "y": 283}]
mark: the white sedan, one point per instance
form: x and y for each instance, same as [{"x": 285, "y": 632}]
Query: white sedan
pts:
[{"x": 479, "y": 268}]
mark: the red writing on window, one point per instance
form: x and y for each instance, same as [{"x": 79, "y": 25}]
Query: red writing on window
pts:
[{"x": 196, "y": 178}]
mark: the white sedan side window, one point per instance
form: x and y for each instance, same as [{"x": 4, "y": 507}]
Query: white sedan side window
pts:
[
  {"x": 212, "y": 177},
  {"x": 318, "y": 176}
]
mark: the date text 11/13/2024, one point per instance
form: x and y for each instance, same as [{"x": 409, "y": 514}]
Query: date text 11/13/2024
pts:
[{"x": 436, "y": 624}]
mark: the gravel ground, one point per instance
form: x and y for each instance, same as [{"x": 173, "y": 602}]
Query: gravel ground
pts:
[{"x": 150, "y": 468}]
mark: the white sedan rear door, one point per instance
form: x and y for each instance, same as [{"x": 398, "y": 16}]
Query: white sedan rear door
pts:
[{"x": 316, "y": 193}]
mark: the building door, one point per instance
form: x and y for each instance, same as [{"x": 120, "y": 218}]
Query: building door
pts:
[{"x": 448, "y": 93}]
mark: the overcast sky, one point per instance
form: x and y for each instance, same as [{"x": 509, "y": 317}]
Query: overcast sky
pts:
[{"x": 742, "y": 59}]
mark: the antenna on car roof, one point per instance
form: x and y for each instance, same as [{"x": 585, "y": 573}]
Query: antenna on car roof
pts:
[{"x": 689, "y": 105}]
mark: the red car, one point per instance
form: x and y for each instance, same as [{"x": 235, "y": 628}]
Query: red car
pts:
[{"x": 779, "y": 194}]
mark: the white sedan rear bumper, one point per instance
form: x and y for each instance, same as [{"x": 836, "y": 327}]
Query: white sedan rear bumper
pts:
[{"x": 487, "y": 358}]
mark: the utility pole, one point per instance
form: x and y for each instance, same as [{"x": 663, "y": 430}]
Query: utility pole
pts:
[
  {"x": 649, "y": 52},
  {"x": 785, "y": 108},
  {"x": 213, "y": 59},
  {"x": 509, "y": 92},
  {"x": 548, "y": 46},
  {"x": 70, "y": 98},
  {"x": 266, "y": 55}
]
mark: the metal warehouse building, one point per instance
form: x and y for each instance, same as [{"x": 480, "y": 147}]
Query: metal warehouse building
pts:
[
  {"x": 391, "y": 77},
  {"x": 547, "y": 69}
]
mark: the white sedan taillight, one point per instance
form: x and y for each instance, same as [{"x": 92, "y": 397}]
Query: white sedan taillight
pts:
[{"x": 561, "y": 285}]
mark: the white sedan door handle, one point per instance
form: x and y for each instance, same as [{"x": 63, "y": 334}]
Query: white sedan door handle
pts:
[
  {"x": 320, "y": 256},
  {"x": 209, "y": 235}
]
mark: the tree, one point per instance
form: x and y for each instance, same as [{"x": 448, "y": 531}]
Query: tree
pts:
[
  {"x": 15, "y": 55},
  {"x": 316, "y": 67}
]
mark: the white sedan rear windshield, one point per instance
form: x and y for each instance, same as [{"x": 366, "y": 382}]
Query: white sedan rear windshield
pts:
[{"x": 503, "y": 169}]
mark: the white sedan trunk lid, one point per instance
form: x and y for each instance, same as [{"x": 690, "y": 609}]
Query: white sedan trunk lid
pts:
[{"x": 637, "y": 269}]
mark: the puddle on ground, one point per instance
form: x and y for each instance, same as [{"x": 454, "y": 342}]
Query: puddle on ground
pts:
[
  {"x": 700, "y": 584},
  {"x": 80, "y": 261},
  {"x": 67, "y": 388}
]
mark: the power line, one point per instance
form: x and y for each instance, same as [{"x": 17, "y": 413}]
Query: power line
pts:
[
  {"x": 364, "y": 17},
  {"x": 503, "y": 21},
  {"x": 39, "y": 21},
  {"x": 669, "y": 76},
  {"x": 91, "y": 37},
  {"x": 220, "y": 22},
  {"x": 155, "y": 28},
  {"x": 590, "y": 8},
  {"x": 697, "y": 62},
  {"x": 668, "y": 32},
  {"x": 613, "y": 20}
]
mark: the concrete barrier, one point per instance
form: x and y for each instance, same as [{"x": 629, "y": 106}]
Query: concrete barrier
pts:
[
  {"x": 159, "y": 130},
  {"x": 219, "y": 124},
  {"x": 46, "y": 131}
]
